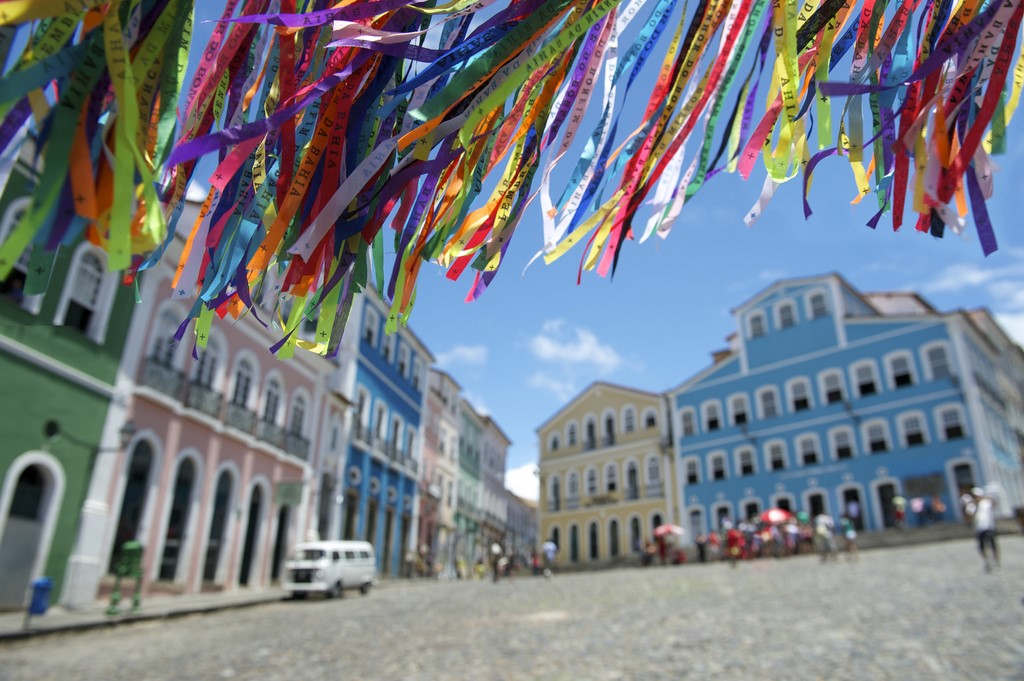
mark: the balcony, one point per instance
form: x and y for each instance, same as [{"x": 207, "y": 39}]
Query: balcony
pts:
[
  {"x": 589, "y": 445},
  {"x": 204, "y": 398},
  {"x": 608, "y": 441},
  {"x": 162, "y": 378},
  {"x": 554, "y": 505},
  {"x": 296, "y": 444},
  {"x": 572, "y": 503},
  {"x": 241, "y": 418},
  {"x": 603, "y": 499},
  {"x": 270, "y": 433},
  {"x": 654, "y": 490}
]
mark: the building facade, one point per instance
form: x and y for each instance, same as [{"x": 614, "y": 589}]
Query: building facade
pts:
[
  {"x": 438, "y": 493},
  {"x": 63, "y": 324},
  {"x": 493, "y": 495},
  {"x": 606, "y": 477},
  {"x": 469, "y": 545},
  {"x": 831, "y": 400},
  {"x": 521, "y": 528},
  {"x": 386, "y": 377}
]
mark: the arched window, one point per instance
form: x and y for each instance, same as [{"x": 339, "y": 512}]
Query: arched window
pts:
[
  {"x": 865, "y": 380},
  {"x": 163, "y": 339},
  {"x": 611, "y": 482},
  {"x": 297, "y": 423},
  {"x": 271, "y": 404},
  {"x": 653, "y": 470},
  {"x": 591, "y": 481},
  {"x": 900, "y": 374},
  {"x": 951, "y": 423},
  {"x": 554, "y": 494},
  {"x": 745, "y": 461},
  {"x": 912, "y": 426},
  {"x": 738, "y": 406},
  {"x": 573, "y": 485},
  {"x": 938, "y": 362},
  {"x": 718, "y": 467},
  {"x": 650, "y": 419},
  {"x": 629, "y": 420},
  {"x": 692, "y": 472},
  {"x": 776, "y": 456},
  {"x": 787, "y": 315},
  {"x": 243, "y": 383},
  {"x": 592, "y": 536},
  {"x": 842, "y": 443},
  {"x": 13, "y": 286},
  {"x": 832, "y": 387},
  {"x": 85, "y": 302},
  {"x": 808, "y": 447},
  {"x": 769, "y": 401},
  {"x": 632, "y": 481},
  {"x": 553, "y": 443},
  {"x": 757, "y": 327},
  {"x": 712, "y": 417},
  {"x": 800, "y": 392},
  {"x": 689, "y": 422},
  {"x": 206, "y": 368},
  {"x": 817, "y": 304},
  {"x": 571, "y": 435},
  {"x": 877, "y": 435}
]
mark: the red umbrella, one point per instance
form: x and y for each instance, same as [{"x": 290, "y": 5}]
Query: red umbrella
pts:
[
  {"x": 775, "y": 515},
  {"x": 668, "y": 531}
]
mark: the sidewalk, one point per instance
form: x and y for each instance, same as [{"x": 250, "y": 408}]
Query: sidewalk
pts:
[{"x": 60, "y": 620}]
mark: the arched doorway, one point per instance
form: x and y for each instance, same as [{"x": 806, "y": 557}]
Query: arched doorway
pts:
[
  {"x": 177, "y": 524},
  {"x": 251, "y": 535},
  {"x": 592, "y": 540},
  {"x": 23, "y": 533},
  {"x": 218, "y": 523},
  {"x": 574, "y": 543},
  {"x": 632, "y": 481},
  {"x": 280, "y": 543},
  {"x": 613, "y": 538},
  {"x": 635, "y": 534},
  {"x": 133, "y": 501}
]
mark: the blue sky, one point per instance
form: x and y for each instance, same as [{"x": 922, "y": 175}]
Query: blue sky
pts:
[{"x": 536, "y": 339}]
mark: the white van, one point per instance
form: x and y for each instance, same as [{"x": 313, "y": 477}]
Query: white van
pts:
[{"x": 330, "y": 566}]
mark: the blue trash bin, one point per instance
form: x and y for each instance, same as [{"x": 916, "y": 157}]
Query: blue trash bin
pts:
[{"x": 40, "y": 596}]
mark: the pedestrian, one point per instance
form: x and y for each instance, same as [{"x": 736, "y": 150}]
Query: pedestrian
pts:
[
  {"x": 982, "y": 512},
  {"x": 938, "y": 508},
  {"x": 853, "y": 511},
  {"x": 734, "y": 543},
  {"x": 495, "y": 561},
  {"x": 550, "y": 549},
  {"x": 849, "y": 530},
  {"x": 824, "y": 536},
  {"x": 702, "y": 548}
]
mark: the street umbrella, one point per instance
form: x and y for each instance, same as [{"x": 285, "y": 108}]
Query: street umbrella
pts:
[
  {"x": 668, "y": 531},
  {"x": 775, "y": 515}
]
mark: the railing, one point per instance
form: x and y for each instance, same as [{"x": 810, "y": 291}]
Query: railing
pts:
[
  {"x": 632, "y": 493},
  {"x": 608, "y": 441},
  {"x": 270, "y": 432},
  {"x": 603, "y": 499},
  {"x": 162, "y": 378},
  {"x": 572, "y": 503},
  {"x": 654, "y": 490},
  {"x": 554, "y": 505},
  {"x": 239, "y": 417},
  {"x": 589, "y": 445},
  {"x": 204, "y": 398},
  {"x": 295, "y": 443}
]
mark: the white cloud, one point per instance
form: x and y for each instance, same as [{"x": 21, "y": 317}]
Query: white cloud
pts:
[
  {"x": 961, "y": 276},
  {"x": 562, "y": 389},
  {"x": 558, "y": 341},
  {"x": 1013, "y": 324},
  {"x": 523, "y": 482},
  {"x": 472, "y": 355}
]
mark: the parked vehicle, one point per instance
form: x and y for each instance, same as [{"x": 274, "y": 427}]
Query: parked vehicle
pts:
[{"x": 328, "y": 567}]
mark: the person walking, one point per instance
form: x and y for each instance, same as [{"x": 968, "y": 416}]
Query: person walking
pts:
[
  {"x": 982, "y": 511},
  {"x": 849, "y": 530},
  {"x": 550, "y": 550}
]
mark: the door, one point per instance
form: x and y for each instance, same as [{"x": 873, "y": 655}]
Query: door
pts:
[
  {"x": 613, "y": 538},
  {"x": 215, "y": 540},
  {"x": 816, "y": 503},
  {"x": 389, "y": 521},
  {"x": 574, "y": 543},
  {"x": 251, "y": 535},
  {"x": 133, "y": 501},
  {"x": 853, "y": 507},
  {"x": 177, "y": 524},
  {"x": 20, "y": 545},
  {"x": 886, "y": 493},
  {"x": 280, "y": 544}
]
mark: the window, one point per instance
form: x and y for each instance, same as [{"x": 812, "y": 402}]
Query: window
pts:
[
  {"x": 610, "y": 478},
  {"x": 808, "y": 451},
  {"x": 84, "y": 296},
  {"x": 842, "y": 444},
  {"x": 389, "y": 347},
  {"x": 787, "y": 316},
  {"x": 746, "y": 462},
  {"x": 163, "y": 339},
  {"x": 769, "y": 403},
  {"x": 573, "y": 483},
  {"x": 688, "y": 423},
  {"x": 801, "y": 395},
  {"x": 913, "y": 430},
  {"x": 271, "y": 402},
  {"x": 553, "y": 445},
  {"x": 738, "y": 405},
  {"x": 629, "y": 420},
  {"x": 776, "y": 457},
  {"x": 864, "y": 376},
  {"x": 650, "y": 420},
  {"x": 756, "y": 325},
  {"x": 718, "y": 467},
  {"x": 899, "y": 370},
  {"x": 609, "y": 429},
  {"x": 571, "y": 436},
  {"x": 403, "y": 360},
  {"x": 877, "y": 438},
  {"x": 833, "y": 386},
  {"x": 711, "y": 416},
  {"x": 298, "y": 420},
  {"x": 952, "y": 425},
  {"x": 206, "y": 367},
  {"x": 692, "y": 472},
  {"x": 417, "y": 372},
  {"x": 370, "y": 322},
  {"x": 554, "y": 494},
  {"x": 13, "y": 287},
  {"x": 653, "y": 470},
  {"x": 818, "y": 308},
  {"x": 590, "y": 434},
  {"x": 591, "y": 481},
  {"x": 243, "y": 383},
  {"x": 938, "y": 362}
]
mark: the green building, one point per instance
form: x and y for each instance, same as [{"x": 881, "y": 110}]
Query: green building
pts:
[{"x": 62, "y": 332}]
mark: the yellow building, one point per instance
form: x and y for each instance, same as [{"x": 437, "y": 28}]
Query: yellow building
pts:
[{"x": 607, "y": 478}]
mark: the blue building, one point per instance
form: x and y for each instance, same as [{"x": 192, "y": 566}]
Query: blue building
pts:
[
  {"x": 828, "y": 397},
  {"x": 385, "y": 376}
]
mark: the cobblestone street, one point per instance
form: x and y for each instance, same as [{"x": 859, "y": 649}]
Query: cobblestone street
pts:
[{"x": 923, "y": 612}]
